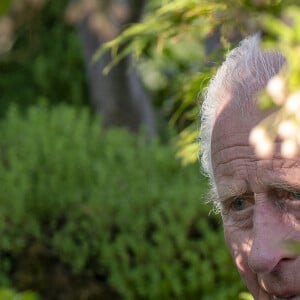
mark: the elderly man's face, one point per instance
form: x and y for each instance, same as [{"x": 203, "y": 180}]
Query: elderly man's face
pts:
[{"x": 260, "y": 208}]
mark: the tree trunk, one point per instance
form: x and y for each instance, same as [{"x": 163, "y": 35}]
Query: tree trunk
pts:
[{"x": 119, "y": 96}]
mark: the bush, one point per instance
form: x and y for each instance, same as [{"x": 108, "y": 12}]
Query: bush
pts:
[{"x": 93, "y": 214}]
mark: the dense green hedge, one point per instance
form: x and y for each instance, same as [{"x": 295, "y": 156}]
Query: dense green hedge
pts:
[{"x": 93, "y": 214}]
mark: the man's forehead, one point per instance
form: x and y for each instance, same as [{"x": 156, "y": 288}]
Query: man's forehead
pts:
[{"x": 234, "y": 118}]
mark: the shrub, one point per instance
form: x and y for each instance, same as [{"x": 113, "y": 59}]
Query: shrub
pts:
[{"x": 88, "y": 213}]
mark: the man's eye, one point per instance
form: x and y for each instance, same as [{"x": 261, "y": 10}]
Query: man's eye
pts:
[
  {"x": 239, "y": 203},
  {"x": 283, "y": 195},
  {"x": 295, "y": 195}
]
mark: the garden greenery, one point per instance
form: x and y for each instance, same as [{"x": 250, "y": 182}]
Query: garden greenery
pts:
[
  {"x": 100, "y": 214},
  {"x": 44, "y": 62},
  {"x": 82, "y": 204},
  {"x": 182, "y": 21}
]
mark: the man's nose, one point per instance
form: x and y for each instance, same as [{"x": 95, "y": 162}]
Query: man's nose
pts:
[{"x": 269, "y": 234}]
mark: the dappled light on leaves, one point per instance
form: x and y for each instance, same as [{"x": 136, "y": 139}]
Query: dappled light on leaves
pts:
[
  {"x": 245, "y": 296},
  {"x": 187, "y": 146},
  {"x": 285, "y": 124},
  {"x": 283, "y": 90},
  {"x": 174, "y": 21}
]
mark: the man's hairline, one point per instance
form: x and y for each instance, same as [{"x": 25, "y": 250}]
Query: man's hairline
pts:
[{"x": 219, "y": 81}]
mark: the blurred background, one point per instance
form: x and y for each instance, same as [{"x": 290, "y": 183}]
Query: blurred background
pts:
[{"x": 101, "y": 193}]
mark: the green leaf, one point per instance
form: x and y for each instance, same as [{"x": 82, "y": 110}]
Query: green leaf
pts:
[
  {"x": 265, "y": 102},
  {"x": 245, "y": 296},
  {"x": 4, "y": 6}
]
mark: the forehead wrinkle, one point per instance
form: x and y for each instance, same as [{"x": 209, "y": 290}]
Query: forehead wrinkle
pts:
[
  {"x": 232, "y": 136},
  {"x": 281, "y": 163},
  {"x": 278, "y": 163},
  {"x": 228, "y": 148},
  {"x": 227, "y": 171},
  {"x": 279, "y": 174},
  {"x": 244, "y": 158},
  {"x": 226, "y": 159},
  {"x": 285, "y": 181}
]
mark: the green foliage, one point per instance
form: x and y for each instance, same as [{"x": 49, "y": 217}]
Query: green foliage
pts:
[
  {"x": 8, "y": 294},
  {"x": 170, "y": 50},
  {"x": 284, "y": 35},
  {"x": 173, "y": 76},
  {"x": 158, "y": 27},
  {"x": 80, "y": 204},
  {"x": 188, "y": 146},
  {"x": 169, "y": 25},
  {"x": 4, "y": 6},
  {"x": 45, "y": 62},
  {"x": 245, "y": 296}
]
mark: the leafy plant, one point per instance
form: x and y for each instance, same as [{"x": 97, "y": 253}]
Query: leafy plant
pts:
[
  {"x": 88, "y": 211},
  {"x": 181, "y": 21}
]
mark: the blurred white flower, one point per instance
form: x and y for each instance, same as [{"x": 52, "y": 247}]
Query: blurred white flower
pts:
[
  {"x": 292, "y": 104},
  {"x": 289, "y": 148},
  {"x": 276, "y": 89},
  {"x": 257, "y": 135},
  {"x": 288, "y": 129},
  {"x": 265, "y": 148}
]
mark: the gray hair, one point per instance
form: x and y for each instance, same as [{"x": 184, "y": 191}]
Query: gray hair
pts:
[{"x": 245, "y": 71}]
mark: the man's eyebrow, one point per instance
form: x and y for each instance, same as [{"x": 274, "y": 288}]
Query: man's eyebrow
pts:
[
  {"x": 231, "y": 189},
  {"x": 285, "y": 185}
]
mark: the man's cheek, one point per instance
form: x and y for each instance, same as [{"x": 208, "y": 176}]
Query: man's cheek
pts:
[{"x": 238, "y": 248}]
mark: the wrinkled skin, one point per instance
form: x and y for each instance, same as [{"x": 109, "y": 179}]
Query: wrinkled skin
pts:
[{"x": 260, "y": 207}]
